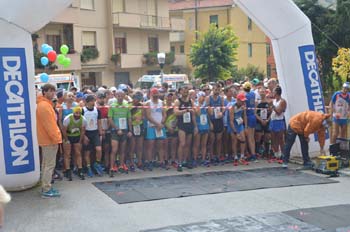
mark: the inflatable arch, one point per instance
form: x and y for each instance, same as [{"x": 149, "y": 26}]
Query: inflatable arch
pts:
[
  {"x": 288, "y": 28},
  {"x": 294, "y": 51},
  {"x": 19, "y": 155}
]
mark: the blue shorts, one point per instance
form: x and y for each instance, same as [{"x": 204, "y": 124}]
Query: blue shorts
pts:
[
  {"x": 151, "y": 133},
  {"x": 277, "y": 125},
  {"x": 239, "y": 128},
  {"x": 340, "y": 122},
  {"x": 251, "y": 121}
]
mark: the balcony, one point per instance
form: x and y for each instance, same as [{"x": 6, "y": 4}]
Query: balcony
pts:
[
  {"x": 177, "y": 24},
  {"x": 180, "y": 60},
  {"x": 141, "y": 21},
  {"x": 177, "y": 37},
  {"x": 75, "y": 65}
]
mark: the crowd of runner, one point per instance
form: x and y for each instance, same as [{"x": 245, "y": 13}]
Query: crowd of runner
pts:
[{"x": 120, "y": 129}]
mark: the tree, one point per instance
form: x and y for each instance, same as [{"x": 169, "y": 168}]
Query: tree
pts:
[
  {"x": 341, "y": 67},
  {"x": 250, "y": 71},
  {"x": 214, "y": 54}
]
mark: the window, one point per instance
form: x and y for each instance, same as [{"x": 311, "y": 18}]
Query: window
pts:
[
  {"x": 172, "y": 49},
  {"x": 250, "y": 24},
  {"x": 55, "y": 41},
  {"x": 120, "y": 45},
  {"x": 214, "y": 19},
  {"x": 118, "y": 6},
  {"x": 268, "y": 70},
  {"x": 153, "y": 45},
  {"x": 182, "y": 49},
  {"x": 250, "y": 50},
  {"x": 268, "y": 49},
  {"x": 87, "y": 4},
  {"x": 89, "y": 39}
]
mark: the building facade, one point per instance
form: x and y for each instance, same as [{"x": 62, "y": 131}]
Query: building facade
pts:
[
  {"x": 126, "y": 35},
  {"x": 199, "y": 15}
]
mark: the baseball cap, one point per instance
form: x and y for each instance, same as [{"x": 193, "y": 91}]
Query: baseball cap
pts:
[
  {"x": 76, "y": 109},
  {"x": 101, "y": 89},
  {"x": 247, "y": 85},
  {"x": 241, "y": 97},
  {"x": 255, "y": 81},
  {"x": 154, "y": 91},
  {"x": 123, "y": 87},
  {"x": 200, "y": 94},
  {"x": 112, "y": 89},
  {"x": 79, "y": 95},
  {"x": 346, "y": 85}
]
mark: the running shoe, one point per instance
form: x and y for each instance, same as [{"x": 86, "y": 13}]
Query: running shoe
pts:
[
  {"x": 243, "y": 162},
  {"x": 81, "y": 174},
  {"x": 98, "y": 169},
  {"x": 235, "y": 162},
  {"x": 125, "y": 168},
  {"x": 132, "y": 168},
  {"x": 68, "y": 174},
  {"x": 50, "y": 193},
  {"x": 89, "y": 172},
  {"x": 179, "y": 168}
]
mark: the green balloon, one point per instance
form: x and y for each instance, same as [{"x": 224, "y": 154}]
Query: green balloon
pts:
[
  {"x": 64, "y": 49},
  {"x": 67, "y": 62},
  {"x": 60, "y": 58}
]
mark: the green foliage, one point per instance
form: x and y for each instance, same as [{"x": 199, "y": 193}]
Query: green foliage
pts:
[
  {"x": 89, "y": 53},
  {"x": 250, "y": 71},
  {"x": 151, "y": 58},
  {"x": 115, "y": 58},
  {"x": 330, "y": 29},
  {"x": 214, "y": 54}
]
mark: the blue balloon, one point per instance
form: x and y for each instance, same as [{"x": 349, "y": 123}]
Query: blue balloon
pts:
[
  {"x": 44, "y": 77},
  {"x": 43, "y": 46},
  {"x": 44, "y": 60},
  {"x": 47, "y": 49}
]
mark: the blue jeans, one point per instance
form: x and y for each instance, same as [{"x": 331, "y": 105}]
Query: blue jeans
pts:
[{"x": 290, "y": 139}]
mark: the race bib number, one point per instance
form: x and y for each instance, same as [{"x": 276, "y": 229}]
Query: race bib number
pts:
[
  {"x": 122, "y": 124},
  {"x": 263, "y": 114},
  {"x": 159, "y": 133},
  {"x": 104, "y": 122},
  {"x": 187, "y": 117},
  {"x": 239, "y": 121},
  {"x": 75, "y": 130},
  {"x": 217, "y": 111},
  {"x": 203, "y": 119},
  {"x": 137, "y": 130}
]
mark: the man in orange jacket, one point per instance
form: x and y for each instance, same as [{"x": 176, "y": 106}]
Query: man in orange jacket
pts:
[
  {"x": 49, "y": 136},
  {"x": 304, "y": 124}
]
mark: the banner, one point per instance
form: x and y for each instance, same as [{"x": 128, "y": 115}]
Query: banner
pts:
[{"x": 19, "y": 151}]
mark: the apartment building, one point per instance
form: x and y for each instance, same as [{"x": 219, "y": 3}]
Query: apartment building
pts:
[
  {"x": 112, "y": 41},
  {"x": 199, "y": 15}
]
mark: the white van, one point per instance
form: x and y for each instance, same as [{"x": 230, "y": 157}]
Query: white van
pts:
[
  {"x": 61, "y": 81},
  {"x": 149, "y": 81}
]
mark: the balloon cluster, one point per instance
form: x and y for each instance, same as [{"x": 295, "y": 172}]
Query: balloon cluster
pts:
[{"x": 51, "y": 56}]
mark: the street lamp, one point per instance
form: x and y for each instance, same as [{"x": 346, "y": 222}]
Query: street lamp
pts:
[{"x": 161, "y": 62}]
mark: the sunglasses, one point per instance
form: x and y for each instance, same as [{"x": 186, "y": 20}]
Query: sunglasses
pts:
[{"x": 206, "y": 89}]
